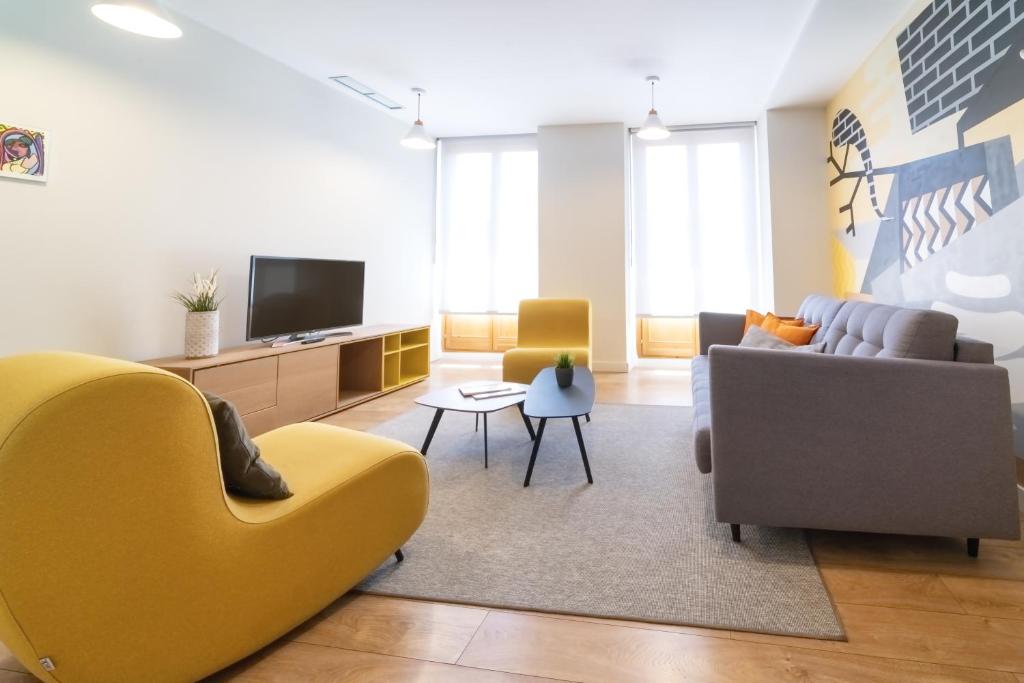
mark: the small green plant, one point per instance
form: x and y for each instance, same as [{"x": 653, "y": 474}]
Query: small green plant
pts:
[
  {"x": 204, "y": 294},
  {"x": 564, "y": 360}
]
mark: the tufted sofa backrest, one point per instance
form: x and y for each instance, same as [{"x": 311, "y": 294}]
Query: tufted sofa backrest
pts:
[
  {"x": 859, "y": 328},
  {"x": 818, "y": 309}
]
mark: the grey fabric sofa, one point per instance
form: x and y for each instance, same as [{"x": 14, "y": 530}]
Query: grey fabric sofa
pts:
[{"x": 898, "y": 427}]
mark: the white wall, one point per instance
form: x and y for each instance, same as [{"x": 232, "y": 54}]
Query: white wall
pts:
[
  {"x": 764, "y": 199},
  {"x": 582, "y": 224},
  {"x": 793, "y": 147},
  {"x": 174, "y": 156}
]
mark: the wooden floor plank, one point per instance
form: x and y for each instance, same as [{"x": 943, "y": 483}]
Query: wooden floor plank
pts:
[
  {"x": 953, "y": 639},
  {"x": 595, "y": 652},
  {"x": 567, "y": 649},
  {"x": 670, "y": 628},
  {"x": 988, "y": 597},
  {"x": 289, "y": 662},
  {"x": 8, "y": 662},
  {"x": 391, "y": 626},
  {"x": 925, "y": 554},
  {"x": 830, "y": 667},
  {"x": 905, "y": 590},
  {"x": 16, "y": 677}
]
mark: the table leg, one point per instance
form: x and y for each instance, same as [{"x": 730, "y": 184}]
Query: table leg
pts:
[
  {"x": 536, "y": 447},
  {"x": 526, "y": 420},
  {"x": 588, "y": 417},
  {"x": 477, "y": 428},
  {"x": 430, "y": 432},
  {"x": 485, "y": 439},
  {"x": 583, "y": 449}
]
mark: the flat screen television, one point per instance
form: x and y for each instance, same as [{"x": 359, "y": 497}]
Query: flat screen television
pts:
[{"x": 298, "y": 296}]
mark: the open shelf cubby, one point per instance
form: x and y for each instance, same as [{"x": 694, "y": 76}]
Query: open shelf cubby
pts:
[
  {"x": 414, "y": 363},
  {"x": 415, "y": 338},
  {"x": 360, "y": 375},
  {"x": 392, "y": 343},
  {"x": 392, "y": 371}
]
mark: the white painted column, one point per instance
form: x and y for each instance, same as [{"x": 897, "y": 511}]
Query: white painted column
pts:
[{"x": 583, "y": 228}]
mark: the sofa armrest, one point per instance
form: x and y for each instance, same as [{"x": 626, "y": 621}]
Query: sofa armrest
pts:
[
  {"x": 719, "y": 328},
  {"x": 862, "y": 444},
  {"x": 967, "y": 350}
]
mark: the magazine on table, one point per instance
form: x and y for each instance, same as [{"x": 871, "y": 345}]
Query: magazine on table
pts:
[{"x": 485, "y": 390}]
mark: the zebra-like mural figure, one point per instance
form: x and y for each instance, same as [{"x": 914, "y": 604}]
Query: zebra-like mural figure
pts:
[{"x": 847, "y": 132}]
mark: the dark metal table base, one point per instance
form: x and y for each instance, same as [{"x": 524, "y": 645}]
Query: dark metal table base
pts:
[
  {"x": 536, "y": 447},
  {"x": 529, "y": 427}
]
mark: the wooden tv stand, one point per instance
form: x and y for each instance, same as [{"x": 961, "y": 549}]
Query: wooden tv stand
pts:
[{"x": 272, "y": 387}]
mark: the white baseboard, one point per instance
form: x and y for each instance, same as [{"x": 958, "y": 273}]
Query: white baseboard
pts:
[{"x": 609, "y": 366}]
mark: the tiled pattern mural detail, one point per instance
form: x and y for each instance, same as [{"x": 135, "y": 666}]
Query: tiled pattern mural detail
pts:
[
  {"x": 948, "y": 52},
  {"x": 932, "y": 220}
]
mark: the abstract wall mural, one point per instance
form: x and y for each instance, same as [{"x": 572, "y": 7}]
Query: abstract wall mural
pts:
[{"x": 933, "y": 125}]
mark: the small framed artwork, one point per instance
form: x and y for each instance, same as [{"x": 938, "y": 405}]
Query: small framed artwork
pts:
[{"x": 23, "y": 153}]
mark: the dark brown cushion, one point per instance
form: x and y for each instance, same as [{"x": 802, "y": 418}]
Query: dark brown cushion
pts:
[{"x": 245, "y": 473}]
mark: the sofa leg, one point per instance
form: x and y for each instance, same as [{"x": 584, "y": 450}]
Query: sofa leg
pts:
[
  {"x": 972, "y": 546},
  {"x": 399, "y": 556},
  {"x": 735, "y": 532}
]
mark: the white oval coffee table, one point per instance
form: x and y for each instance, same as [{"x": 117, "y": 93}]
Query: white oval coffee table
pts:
[{"x": 451, "y": 398}]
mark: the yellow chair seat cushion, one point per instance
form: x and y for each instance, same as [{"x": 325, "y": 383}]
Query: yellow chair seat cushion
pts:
[{"x": 315, "y": 460}]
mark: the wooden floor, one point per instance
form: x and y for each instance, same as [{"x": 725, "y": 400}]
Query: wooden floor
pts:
[{"x": 915, "y": 609}]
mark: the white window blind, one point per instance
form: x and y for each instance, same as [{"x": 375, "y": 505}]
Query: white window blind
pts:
[
  {"x": 698, "y": 244},
  {"x": 487, "y": 223}
]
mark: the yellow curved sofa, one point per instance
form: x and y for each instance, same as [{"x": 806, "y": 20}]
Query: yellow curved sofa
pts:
[
  {"x": 547, "y": 326},
  {"x": 121, "y": 556}
]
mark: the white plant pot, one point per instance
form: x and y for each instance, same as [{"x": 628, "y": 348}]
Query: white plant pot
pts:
[{"x": 202, "y": 334}]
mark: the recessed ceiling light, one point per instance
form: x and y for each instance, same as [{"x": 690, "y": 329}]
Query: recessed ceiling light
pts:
[
  {"x": 384, "y": 101},
  {"x": 367, "y": 92},
  {"x": 137, "y": 16}
]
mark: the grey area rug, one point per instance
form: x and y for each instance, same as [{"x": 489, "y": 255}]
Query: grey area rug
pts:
[{"x": 640, "y": 543}]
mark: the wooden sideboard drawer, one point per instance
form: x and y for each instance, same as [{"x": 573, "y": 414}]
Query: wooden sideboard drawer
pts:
[
  {"x": 262, "y": 421},
  {"x": 251, "y": 385},
  {"x": 307, "y": 384}
]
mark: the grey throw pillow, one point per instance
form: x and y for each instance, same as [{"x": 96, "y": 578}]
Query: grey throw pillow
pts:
[
  {"x": 245, "y": 472},
  {"x": 758, "y": 338}
]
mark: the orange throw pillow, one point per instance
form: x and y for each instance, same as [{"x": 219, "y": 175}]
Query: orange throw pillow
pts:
[
  {"x": 799, "y": 335},
  {"x": 772, "y": 322},
  {"x": 792, "y": 330},
  {"x": 767, "y": 321},
  {"x": 753, "y": 318}
]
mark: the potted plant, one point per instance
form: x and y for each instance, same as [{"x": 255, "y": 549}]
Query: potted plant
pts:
[
  {"x": 202, "y": 319},
  {"x": 564, "y": 369}
]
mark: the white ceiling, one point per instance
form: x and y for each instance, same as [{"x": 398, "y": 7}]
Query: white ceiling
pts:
[{"x": 495, "y": 66}]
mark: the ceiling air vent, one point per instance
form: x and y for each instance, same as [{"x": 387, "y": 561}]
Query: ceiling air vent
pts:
[{"x": 366, "y": 91}]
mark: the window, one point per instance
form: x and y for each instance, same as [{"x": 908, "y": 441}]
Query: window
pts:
[
  {"x": 698, "y": 243},
  {"x": 487, "y": 223}
]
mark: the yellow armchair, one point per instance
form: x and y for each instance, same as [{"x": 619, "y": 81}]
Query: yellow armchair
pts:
[
  {"x": 121, "y": 556},
  {"x": 547, "y": 326}
]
